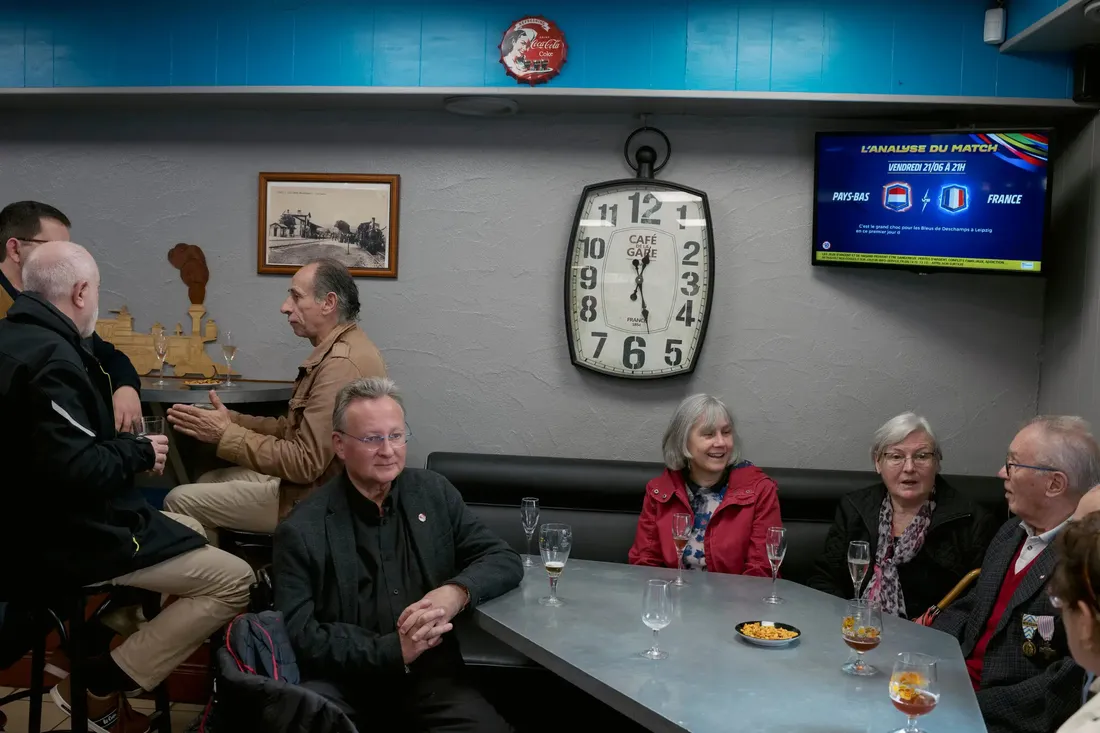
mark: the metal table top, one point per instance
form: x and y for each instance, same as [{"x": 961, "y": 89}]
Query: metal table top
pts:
[
  {"x": 241, "y": 392},
  {"x": 712, "y": 680}
]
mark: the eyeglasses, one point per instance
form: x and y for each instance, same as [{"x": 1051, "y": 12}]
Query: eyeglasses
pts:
[
  {"x": 373, "y": 443},
  {"x": 924, "y": 458},
  {"x": 1009, "y": 465},
  {"x": 33, "y": 241}
]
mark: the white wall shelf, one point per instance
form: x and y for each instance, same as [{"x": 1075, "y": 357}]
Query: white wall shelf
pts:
[
  {"x": 549, "y": 100},
  {"x": 1063, "y": 29}
]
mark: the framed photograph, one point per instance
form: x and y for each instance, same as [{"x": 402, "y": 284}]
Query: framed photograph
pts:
[{"x": 350, "y": 217}]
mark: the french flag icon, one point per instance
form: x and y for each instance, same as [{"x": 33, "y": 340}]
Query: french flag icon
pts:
[
  {"x": 897, "y": 196},
  {"x": 953, "y": 199}
]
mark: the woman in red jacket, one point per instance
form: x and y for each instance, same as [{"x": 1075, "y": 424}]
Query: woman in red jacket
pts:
[{"x": 732, "y": 501}]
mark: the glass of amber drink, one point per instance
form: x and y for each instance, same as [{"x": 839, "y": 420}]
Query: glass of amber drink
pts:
[
  {"x": 862, "y": 631},
  {"x": 913, "y": 688}
]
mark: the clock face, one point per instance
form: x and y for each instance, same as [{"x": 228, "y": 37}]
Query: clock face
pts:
[{"x": 638, "y": 279}]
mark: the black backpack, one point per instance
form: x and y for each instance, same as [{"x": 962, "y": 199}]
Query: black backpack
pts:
[{"x": 256, "y": 685}]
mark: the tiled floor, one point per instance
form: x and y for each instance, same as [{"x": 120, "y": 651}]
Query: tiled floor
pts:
[{"x": 17, "y": 712}]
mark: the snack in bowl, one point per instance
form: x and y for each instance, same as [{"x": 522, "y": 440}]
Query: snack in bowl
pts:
[
  {"x": 758, "y": 630},
  {"x": 201, "y": 382},
  {"x": 767, "y": 633}
]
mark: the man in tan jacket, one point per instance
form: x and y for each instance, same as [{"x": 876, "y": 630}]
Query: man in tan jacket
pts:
[{"x": 279, "y": 460}]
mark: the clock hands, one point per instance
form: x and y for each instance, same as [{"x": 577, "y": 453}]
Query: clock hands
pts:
[{"x": 638, "y": 282}]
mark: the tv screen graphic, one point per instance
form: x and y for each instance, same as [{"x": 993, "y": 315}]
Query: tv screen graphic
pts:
[{"x": 959, "y": 200}]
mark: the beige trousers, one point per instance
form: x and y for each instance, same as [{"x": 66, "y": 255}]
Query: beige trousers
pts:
[
  {"x": 234, "y": 498},
  {"x": 211, "y": 588}
]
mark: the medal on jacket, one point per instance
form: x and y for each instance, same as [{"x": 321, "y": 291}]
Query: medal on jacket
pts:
[
  {"x": 1046, "y": 630},
  {"x": 1030, "y": 626}
]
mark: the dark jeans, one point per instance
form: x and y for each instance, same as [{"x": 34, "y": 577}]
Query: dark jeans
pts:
[{"x": 421, "y": 702}]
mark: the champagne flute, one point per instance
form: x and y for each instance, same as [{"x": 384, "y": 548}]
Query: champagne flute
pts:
[
  {"x": 229, "y": 351},
  {"x": 776, "y": 543},
  {"x": 656, "y": 613},
  {"x": 862, "y": 631},
  {"x": 160, "y": 346},
  {"x": 529, "y": 515},
  {"x": 555, "y": 541},
  {"x": 681, "y": 533},
  {"x": 859, "y": 559},
  {"x": 913, "y": 688}
]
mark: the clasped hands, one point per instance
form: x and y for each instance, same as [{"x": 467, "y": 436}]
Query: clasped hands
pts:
[{"x": 421, "y": 626}]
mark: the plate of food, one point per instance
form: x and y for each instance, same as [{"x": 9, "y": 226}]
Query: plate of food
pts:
[
  {"x": 767, "y": 633},
  {"x": 201, "y": 383}
]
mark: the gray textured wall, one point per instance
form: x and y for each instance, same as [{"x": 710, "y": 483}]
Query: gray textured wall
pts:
[
  {"x": 811, "y": 360},
  {"x": 1071, "y": 350}
]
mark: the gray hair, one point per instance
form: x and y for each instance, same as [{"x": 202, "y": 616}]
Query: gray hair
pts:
[
  {"x": 364, "y": 388},
  {"x": 332, "y": 277},
  {"x": 54, "y": 268},
  {"x": 1071, "y": 448},
  {"x": 897, "y": 429},
  {"x": 711, "y": 411}
]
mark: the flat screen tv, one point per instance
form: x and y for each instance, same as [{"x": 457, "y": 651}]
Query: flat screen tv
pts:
[{"x": 975, "y": 200}]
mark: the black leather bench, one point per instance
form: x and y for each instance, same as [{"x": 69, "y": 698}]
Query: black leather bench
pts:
[{"x": 602, "y": 499}]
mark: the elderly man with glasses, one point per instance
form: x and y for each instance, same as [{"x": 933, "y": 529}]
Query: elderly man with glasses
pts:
[
  {"x": 371, "y": 569},
  {"x": 1010, "y": 632}
]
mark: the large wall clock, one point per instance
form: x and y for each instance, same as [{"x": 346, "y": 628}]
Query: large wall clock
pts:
[{"x": 638, "y": 273}]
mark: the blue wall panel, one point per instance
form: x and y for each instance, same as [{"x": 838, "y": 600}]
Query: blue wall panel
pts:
[
  {"x": 1022, "y": 13},
  {"x": 855, "y": 46}
]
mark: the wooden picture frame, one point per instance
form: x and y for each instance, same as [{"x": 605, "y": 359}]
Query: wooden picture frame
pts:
[{"x": 351, "y": 217}]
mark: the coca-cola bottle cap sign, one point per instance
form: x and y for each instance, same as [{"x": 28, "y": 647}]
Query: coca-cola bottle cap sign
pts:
[{"x": 533, "y": 50}]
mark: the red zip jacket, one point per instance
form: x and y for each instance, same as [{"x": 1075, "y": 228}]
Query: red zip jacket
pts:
[{"x": 735, "y": 537}]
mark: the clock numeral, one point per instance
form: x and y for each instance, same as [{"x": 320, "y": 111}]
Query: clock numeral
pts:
[
  {"x": 692, "y": 287},
  {"x": 685, "y": 314},
  {"x": 588, "y": 308},
  {"x": 613, "y": 209},
  {"x": 588, "y": 278},
  {"x": 689, "y": 258},
  {"x": 599, "y": 347},
  {"x": 594, "y": 247},
  {"x": 683, "y": 212},
  {"x": 673, "y": 355},
  {"x": 633, "y": 354},
  {"x": 636, "y": 202}
]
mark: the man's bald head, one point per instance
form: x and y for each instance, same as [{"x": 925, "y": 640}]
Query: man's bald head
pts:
[{"x": 65, "y": 274}]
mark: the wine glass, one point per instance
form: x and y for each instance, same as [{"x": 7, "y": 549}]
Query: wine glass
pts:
[
  {"x": 681, "y": 533},
  {"x": 229, "y": 351},
  {"x": 148, "y": 426},
  {"x": 859, "y": 559},
  {"x": 913, "y": 688},
  {"x": 529, "y": 514},
  {"x": 862, "y": 631},
  {"x": 656, "y": 613},
  {"x": 555, "y": 540},
  {"x": 776, "y": 543},
  {"x": 160, "y": 346}
]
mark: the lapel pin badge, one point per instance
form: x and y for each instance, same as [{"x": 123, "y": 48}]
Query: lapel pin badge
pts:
[{"x": 422, "y": 518}]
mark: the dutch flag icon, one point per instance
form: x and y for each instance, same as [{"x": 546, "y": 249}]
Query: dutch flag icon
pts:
[{"x": 897, "y": 196}]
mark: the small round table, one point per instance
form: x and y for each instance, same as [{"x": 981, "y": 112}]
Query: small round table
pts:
[{"x": 174, "y": 393}]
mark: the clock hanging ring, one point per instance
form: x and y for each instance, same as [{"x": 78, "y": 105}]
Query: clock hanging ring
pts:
[{"x": 639, "y": 272}]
